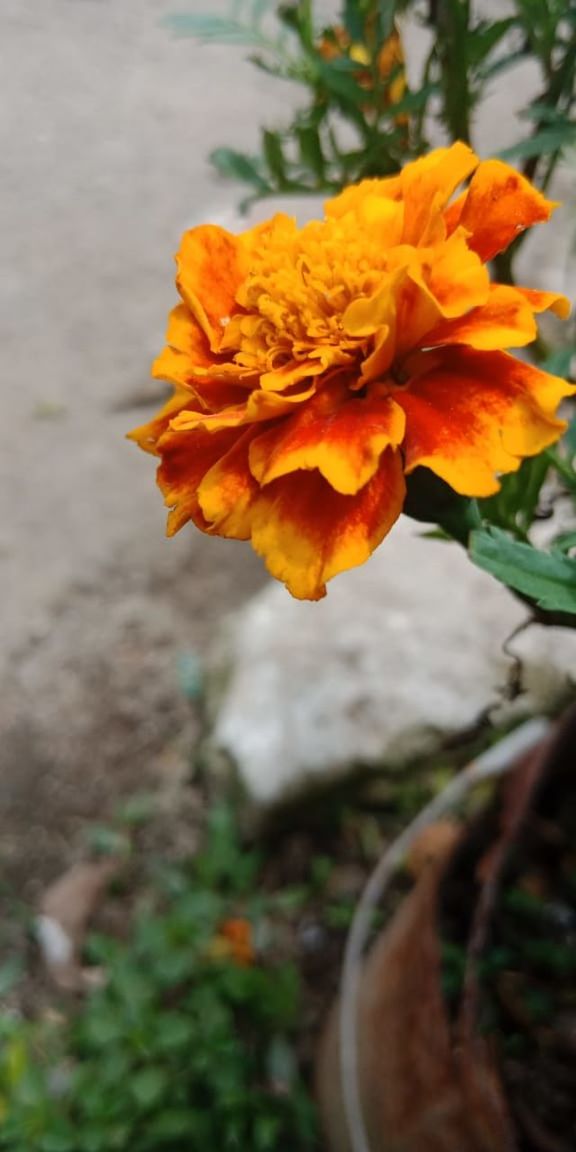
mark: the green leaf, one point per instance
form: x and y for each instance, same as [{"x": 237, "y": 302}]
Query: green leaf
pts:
[
  {"x": 485, "y": 36},
  {"x": 542, "y": 143},
  {"x": 565, "y": 542},
  {"x": 514, "y": 506},
  {"x": 173, "y": 1031},
  {"x": 274, "y": 156},
  {"x": 431, "y": 501},
  {"x": 205, "y": 27},
  {"x": 386, "y": 13},
  {"x": 559, "y": 362},
  {"x": 239, "y": 167},
  {"x": 338, "y": 77},
  {"x": 10, "y": 974},
  {"x": 353, "y": 20},
  {"x": 149, "y": 1085},
  {"x": 548, "y": 579},
  {"x": 543, "y": 114},
  {"x": 310, "y": 146}
]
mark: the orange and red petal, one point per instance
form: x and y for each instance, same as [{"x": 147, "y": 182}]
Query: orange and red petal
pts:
[
  {"x": 212, "y": 264},
  {"x": 446, "y": 283},
  {"x": 308, "y": 533},
  {"x": 227, "y": 491},
  {"x": 259, "y": 406},
  {"x": 506, "y": 320},
  {"x": 338, "y": 433},
  {"x": 355, "y": 196},
  {"x": 148, "y": 435},
  {"x": 427, "y": 185},
  {"x": 547, "y": 302},
  {"x": 498, "y": 205},
  {"x": 186, "y": 458},
  {"x": 475, "y": 415},
  {"x": 186, "y": 348},
  {"x": 455, "y": 276}
]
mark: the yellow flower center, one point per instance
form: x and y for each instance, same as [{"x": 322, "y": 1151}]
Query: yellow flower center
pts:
[{"x": 300, "y": 284}]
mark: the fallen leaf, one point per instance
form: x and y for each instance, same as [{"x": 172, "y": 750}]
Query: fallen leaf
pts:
[{"x": 64, "y": 913}]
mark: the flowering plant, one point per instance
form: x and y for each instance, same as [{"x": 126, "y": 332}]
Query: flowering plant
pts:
[{"x": 318, "y": 370}]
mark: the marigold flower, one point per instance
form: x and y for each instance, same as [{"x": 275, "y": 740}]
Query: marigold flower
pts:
[
  {"x": 315, "y": 366},
  {"x": 234, "y": 942}
]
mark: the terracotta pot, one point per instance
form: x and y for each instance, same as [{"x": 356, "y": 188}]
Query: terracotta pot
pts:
[{"x": 429, "y": 1082}]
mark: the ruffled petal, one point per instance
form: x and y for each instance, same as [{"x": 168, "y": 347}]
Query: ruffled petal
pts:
[
  {"x": 498, "y": 205},
  {"x": 447, "y": 282},
  {"x": 186, "y": 458},
  {"x": 226, "y": 493},
  {"x": 148, "y": 435},
  {"x": 474, "y": 415},
  {"x": 308, "y": 533},
  {"x": 505, "y": 321},
  {"x": 260, "y": 406},
  {"x": 352, "y": 199},
  {"x": 341, "y": 435},
  {"x": 187, "y": 348},
  {"x": 212, "y": 264},
  {"x": 455, "y": 276},
  {"x": 547, "y": 302},
  {"x": 427, "y": 185}
]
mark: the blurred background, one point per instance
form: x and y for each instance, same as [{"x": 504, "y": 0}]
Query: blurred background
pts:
[
  {"x": 106, "y": 125},
  {"x": 106, "y": 628}
]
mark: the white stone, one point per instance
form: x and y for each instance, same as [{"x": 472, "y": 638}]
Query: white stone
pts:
[{"x": 403, "y": 653}]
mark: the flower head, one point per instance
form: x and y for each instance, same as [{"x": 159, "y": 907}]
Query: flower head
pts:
[
  {"x": 386, "y": 59},
  {"x": 314, "y": 367}
]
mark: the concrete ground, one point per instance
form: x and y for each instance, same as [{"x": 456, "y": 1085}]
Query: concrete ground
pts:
[{"x": 105, "y": 127}]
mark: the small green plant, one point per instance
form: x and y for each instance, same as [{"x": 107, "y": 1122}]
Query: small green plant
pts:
[{"x": 185, "y": 1047}]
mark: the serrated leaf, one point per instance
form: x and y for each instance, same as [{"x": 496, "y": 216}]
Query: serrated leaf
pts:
[
  {"x": 514, "y": 506},
  {"x": 274, "y": 156},
  {"x": 338, "y": 77},
  {"x": 432, "y": 501},
  {"x": 543, "y": 114},
  {"x": 548, "y": 579},
  {"x": 542, "y": 143},
  {"x": 310, "y": 147},
  {"x": 485, "y": 37},
  {"x": 239, "y": 167},
  {"x": 202, "y": 26}
]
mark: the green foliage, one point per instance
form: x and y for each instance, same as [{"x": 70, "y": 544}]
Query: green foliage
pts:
[
  {"x": 547, "y": 579},
  {"x": 502, "y": 546},
  {"x": 183, "y": 1048},
  {"x": 349, "y": 127},
  {"x": 430, "y": 500}
]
